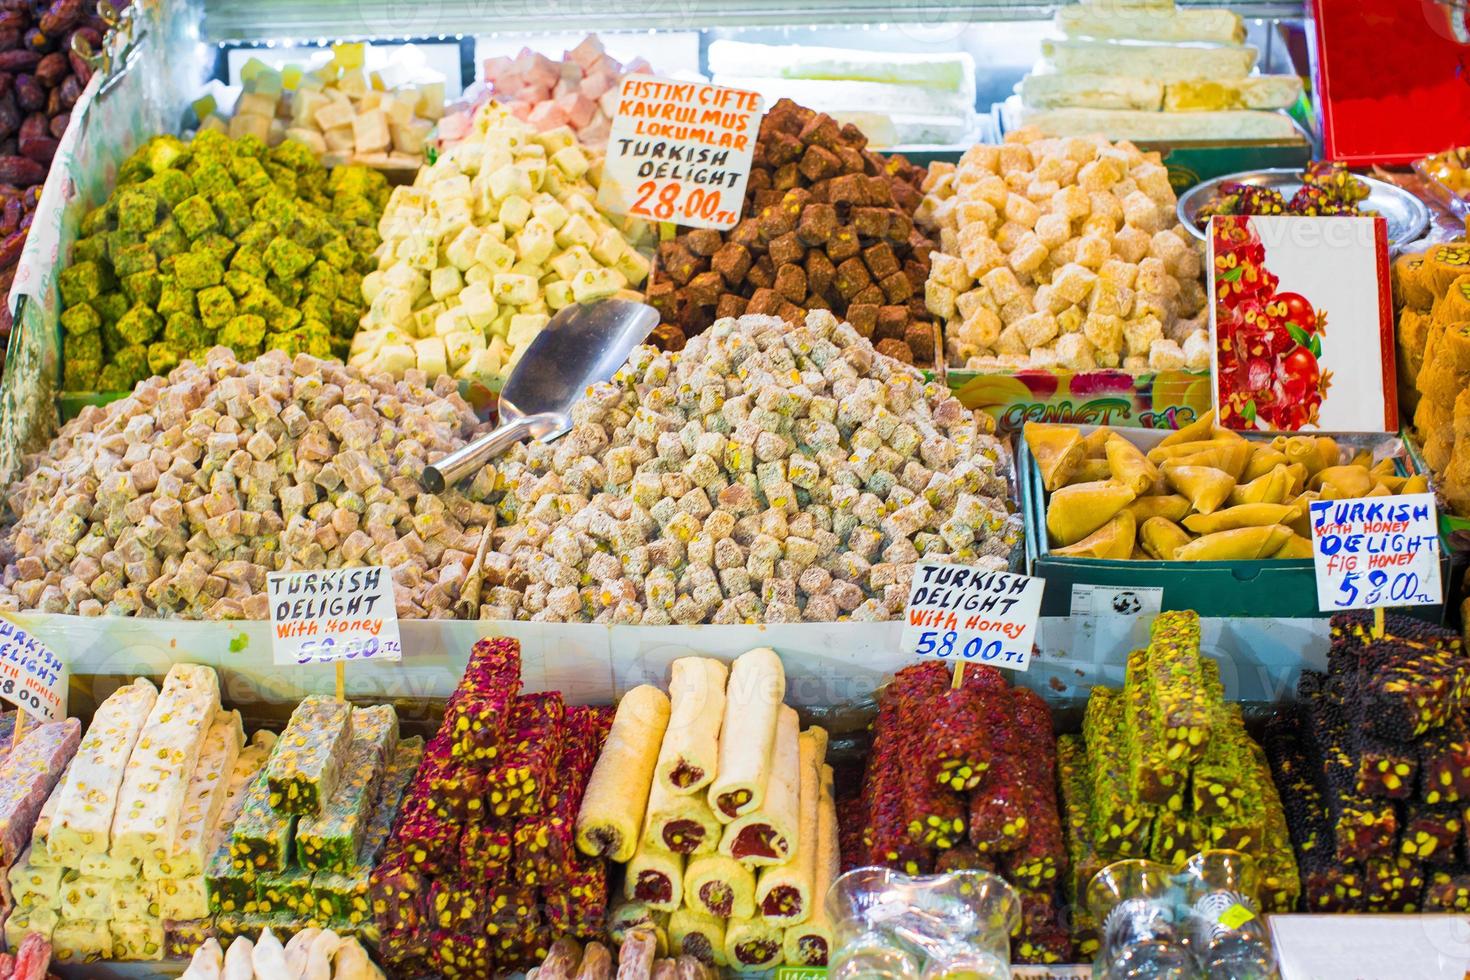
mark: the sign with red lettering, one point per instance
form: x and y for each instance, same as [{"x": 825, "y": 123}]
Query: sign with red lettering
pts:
[
  {"x": 972, "y": 615},
  {"x": 333, "y": 614},
  {"x": 680, "y": 152},
  {"x": 1376, "y": 551}
]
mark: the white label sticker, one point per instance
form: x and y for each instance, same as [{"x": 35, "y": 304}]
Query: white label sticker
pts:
[
  {"x": 1074, "y": 971},
  {"x": 1109, "y": 600},
  {"x": 680, "y": 152},
  {"x": 972, "y": 615},
  {"x": 1376, "y": 551},
  {"x": 31, "y": 677},
  {"x": 338, "y": 614}
]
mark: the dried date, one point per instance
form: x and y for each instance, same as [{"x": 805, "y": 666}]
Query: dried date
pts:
[
  {"x": 19, "y": 59},
  {"x": 11, "y": 248},
  {"x": 21, "y": 171},
  {"x": 58, "y": 124},
  {"x": 70, "y": 91},
  {"x": 52, "y": 69},
  {"x": 60, "y": 17},
  {"x": 29, "y": 95}
]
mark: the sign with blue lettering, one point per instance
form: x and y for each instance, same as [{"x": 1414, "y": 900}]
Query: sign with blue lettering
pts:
[
  {"x": 333, "y": 614},
  {"x": 972, "y": 615},
  {"x": 31, "y": 677},
  {"x": 1376, "y": 551}
]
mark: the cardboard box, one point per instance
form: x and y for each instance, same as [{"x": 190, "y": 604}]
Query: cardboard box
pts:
[{"x": 1282, "y": 588}]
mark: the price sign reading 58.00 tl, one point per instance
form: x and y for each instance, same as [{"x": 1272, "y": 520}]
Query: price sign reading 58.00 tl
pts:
[
  {"x": 1376, "y": 551},
  {"x": 680, "y": 152},
  {"x": 972, "y": 615},
  {"x": 336, "y": 614}
]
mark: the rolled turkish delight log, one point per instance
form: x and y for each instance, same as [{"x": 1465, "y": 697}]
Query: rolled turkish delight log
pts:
[
  {"x": 785, "y": 892},
  {"x": 309, "y": 760},
  {"x": 719, "y": 886},
  {"x": 616, "y": 797},
  {"x": 83, "y": 820},
  {"x": 28, "y": 777},
  {"x": 203, "y": 802},
  {"x": 767, "y": 835},
  {"x": 810, "y": 943},
  {"x": 689, "y": 758},
  {"x": 596, "y": 963},
  {"x": 698, "y": 934},
  {"x": 681, "y": 823},
  {"x": 752, "y": 944},
  {"x": 655, "y": 877},
  {"x": 634, "y": 915},
  {"x": 748, "y": 734}
]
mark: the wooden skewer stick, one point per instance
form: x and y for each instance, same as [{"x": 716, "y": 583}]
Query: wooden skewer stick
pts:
[
  {"x": 1378, "y": 623},
  {"x": 959, "y": 675}
]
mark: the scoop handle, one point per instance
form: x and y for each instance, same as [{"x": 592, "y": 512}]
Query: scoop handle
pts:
[{"x": 449, "y": 470}]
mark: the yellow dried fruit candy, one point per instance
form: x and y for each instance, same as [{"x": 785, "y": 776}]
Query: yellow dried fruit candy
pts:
[
  {"x": 1205, "y": 487},
  {"x": 1262, "y": 462},
  {"x": 1231, "y": 457},
  {"x": 1058, "y": 450},
  {"x": 1078, "y": 510},
  {"x": 1129, "y": 466},
  {"x": 1096, "y": 441},
  {"x": 1162, "y": 538},
  {"x": 1241, "y": 515},
  {"x": 1267, "y": 489},
  {"x": 1113, "y": 540},
  {"x": 1237, "y": 544},
  {"x": 1091, "y": 471},
  {"x": 1199, "y": 429},
  {"x": 1296, "y": 546}
]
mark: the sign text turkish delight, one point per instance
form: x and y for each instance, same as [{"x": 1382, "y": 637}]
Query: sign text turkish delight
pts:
[
  {"x": 1376, "y": 551},
  {"x": 31, "y": 677},
  {"x": 680, "y": 152},
  {"x": 972, "y": 615},
  {"x": 335, "y": 614}
]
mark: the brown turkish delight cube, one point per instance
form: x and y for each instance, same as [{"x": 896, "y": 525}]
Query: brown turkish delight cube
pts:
[
  {"x": 848, "y": 189},
  {"x": 661, "y": 297},
  {"x": 880, "y": 192},
  {"x": 785, "y": 177},
  {"x": 864, "y": 318},
  {"x": 730, "y": 305},
  {"x": 677, "y": 262},
  {"x": 764, "y": 199},
  {"x": 791, "y": 283},
  {"x": 781, "y": 148},
  {"x": 843, "y": 244},
  {"x": 762, "y": 273},
  {"x": 853, "y": 137},
  {"x": 897, "y": 287},
  {"x": 795, "y": 200},
  {"x": 747, "y": 234},
  {"x": 820, "y": 272},
  {"x": 668, "y": 337},
  {"x": 907, "y": 197},
  {"x": 852, "y": 276},
  {"x": 759, "y": 180},
  {"x": 786, "y": 249},
  {"x": 763, "y": 300},
  {"x": 820, "y": 130},
  {"x": 703, "y": 241},
  {"x": 790, "y": 312},
  {"x": 851, "y": 159},
  {"x": 783, "y": 117},
  {"x": 871, "y": 222},
  {"x": 775, "y": 220},
  {"x": 815, "y": 302},
  {"x": 891, "y": 322},
  {"x": 920, "y": 340},
  {"x": 900, "y": 226},
  {"x": 895, "y": 349},
  {"x": 818, "y": 162},
  {"x": 732, "y": 262},
  {"x": 705, "y": 288},
  {"x": 818, "y": 222},
  {"x": 871, "y": 294},
  {"x": 880, "y": 260}
]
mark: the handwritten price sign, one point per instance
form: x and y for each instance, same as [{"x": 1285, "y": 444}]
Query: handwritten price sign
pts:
[
  {"x": 972, "y": 615},
  {"x": 1376, "y": 551},
  {"x": 340, "y": 614},
  {"x": 31, "y": 677},
  {"x": 680, "y": 152}
]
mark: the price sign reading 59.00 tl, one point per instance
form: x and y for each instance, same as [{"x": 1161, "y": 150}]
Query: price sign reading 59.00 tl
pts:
[
  {"x": 1376, "y": 551},
  {"x": 337, "y": 614},
  {"x": 972, "y": 615},
  {"x": 680, "y": 152}
]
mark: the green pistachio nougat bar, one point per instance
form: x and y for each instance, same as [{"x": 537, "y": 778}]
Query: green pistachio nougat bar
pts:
[
  {"x": 1120, "y": 827},
  {"x": 310, "y": 757},
  {"x": 329, "y": 840},
  {"x": 1182, "y": 702},
  {"x": 1154, "y": 777},
  {"x": 261, "y": 839}
]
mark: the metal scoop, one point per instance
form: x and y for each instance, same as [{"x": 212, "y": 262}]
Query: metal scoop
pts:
[{"x": 579, "y": 347}]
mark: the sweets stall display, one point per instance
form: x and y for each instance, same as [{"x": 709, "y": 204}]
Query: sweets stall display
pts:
[{"x": 667, "y": 704}]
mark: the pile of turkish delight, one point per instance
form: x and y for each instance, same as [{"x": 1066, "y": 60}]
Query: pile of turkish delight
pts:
[{"x": 481, "y": 870}]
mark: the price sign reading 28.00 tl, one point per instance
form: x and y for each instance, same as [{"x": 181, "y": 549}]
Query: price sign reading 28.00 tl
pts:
[
  {"x": 680, "y": 152},
  {"x": 1376, "y": 551},
  {"x": 337, "y": 614},
  {"x": 972, "y": 615}
]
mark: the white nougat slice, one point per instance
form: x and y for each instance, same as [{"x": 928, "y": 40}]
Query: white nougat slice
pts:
[
  {"x": 202, "y": 802},
  {"x": 1162, "y": 62},
  {"x": 1051, "y": 90},
  {"x": 1206, "y": 24},
  {"x": 82, "y": 823}
]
